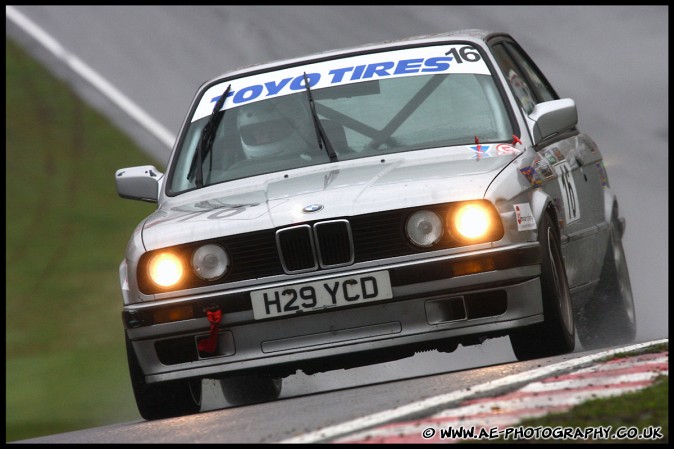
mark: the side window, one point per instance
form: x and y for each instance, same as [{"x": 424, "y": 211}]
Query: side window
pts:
[
  {"x": 518, "y": 82},
  {"x": 538, "y": 82}
]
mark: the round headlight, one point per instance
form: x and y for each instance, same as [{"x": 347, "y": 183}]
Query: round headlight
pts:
[
  {"x": 210, "y": 262},
  {"x": 424, "y": 228},
  {"x": 165, "y": 269},
  {"x": 471, "y": 221}
]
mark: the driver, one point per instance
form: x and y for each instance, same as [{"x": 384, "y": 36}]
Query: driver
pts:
[{"x": 274, "y": 127}]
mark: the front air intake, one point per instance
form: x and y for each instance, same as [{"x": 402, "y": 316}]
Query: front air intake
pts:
[{"x": 304, "y": 248}]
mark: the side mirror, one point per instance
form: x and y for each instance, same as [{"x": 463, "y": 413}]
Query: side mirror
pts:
[
  {"x": 552, "y": 117},
  {"x": 139, "y": 183}
]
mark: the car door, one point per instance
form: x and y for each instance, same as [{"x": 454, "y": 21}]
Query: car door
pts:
[{"x": 569, "y": 164}]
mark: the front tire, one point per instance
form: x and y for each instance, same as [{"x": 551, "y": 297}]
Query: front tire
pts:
[
  {"x": 609, "y": 318},
  {"x": 243, "y": 390},
  {"x": 556, "y": 334},
  {"x": 162, "y": 400}
]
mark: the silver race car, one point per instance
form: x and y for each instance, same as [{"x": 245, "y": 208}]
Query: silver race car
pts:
[{"x": 357, "y": 206}]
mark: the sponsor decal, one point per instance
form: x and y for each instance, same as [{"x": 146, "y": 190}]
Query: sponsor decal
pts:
[
  {"x": 525, "y": 218},
  {"x": 460, "y": 58},
  {"x": 504, "y": 148},
  {"x": 480, "y": 151},
  {"x": 550, "y": 157},
  {"x": 543, "y": 167},
  {"x": 533, "y": 176}
]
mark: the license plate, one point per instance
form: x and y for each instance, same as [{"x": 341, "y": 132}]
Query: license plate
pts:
[{"x": 317, "y": 295}]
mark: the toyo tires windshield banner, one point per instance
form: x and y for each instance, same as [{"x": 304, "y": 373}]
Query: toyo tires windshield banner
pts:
[{"x": 460, "y": 58}]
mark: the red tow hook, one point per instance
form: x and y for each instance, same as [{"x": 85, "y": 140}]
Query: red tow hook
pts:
[{"x": 210, "y": 344}]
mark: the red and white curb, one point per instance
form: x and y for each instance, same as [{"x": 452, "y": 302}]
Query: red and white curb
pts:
[{"x": 555, "y": 392}]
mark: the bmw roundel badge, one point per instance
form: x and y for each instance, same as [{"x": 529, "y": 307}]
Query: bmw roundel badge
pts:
[{"x": 312, "y": 208}]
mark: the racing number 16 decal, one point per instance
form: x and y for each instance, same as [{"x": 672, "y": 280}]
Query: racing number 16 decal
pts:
[
  {"x": 569, "y": 194},
  {"x": 465, "y": 53}
]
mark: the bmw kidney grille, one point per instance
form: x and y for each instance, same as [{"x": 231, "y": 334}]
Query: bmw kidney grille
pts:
[{"x": 326, "y": 244}]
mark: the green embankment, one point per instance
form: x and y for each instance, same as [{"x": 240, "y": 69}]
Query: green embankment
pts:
[{"x": 66, "y": 233}]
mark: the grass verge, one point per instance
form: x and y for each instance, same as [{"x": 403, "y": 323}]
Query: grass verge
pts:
[{"x": 66, "y": 230}]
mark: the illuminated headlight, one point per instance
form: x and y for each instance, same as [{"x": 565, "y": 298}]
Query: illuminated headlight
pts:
[
  {"x": 210, "y": 262},
  {"x": 165, "y": 269},
  {"x": 471, "y": 221},
  {"x": 424, "y": 228}
]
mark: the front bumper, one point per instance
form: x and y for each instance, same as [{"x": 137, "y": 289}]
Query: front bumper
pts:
[{"x": 435, "y": 301}]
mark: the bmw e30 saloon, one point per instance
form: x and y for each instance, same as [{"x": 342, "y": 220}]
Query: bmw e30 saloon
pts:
[{"x": 357, "y": 206}]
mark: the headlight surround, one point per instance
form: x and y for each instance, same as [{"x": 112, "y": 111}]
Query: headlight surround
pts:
[
  {"x": 473, "y": 221},
  {"x": 165, "y": 269},
  {"x": 424, "y": 228},
  {"x": 210, "y": 262}
]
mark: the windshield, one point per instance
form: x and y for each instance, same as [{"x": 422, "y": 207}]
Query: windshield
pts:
[{"x": 383, "y": 115}]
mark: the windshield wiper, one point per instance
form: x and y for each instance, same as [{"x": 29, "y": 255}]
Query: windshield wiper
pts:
[
  {"x": 208, "y": 135},
  {"x": 320, "y": 132}
]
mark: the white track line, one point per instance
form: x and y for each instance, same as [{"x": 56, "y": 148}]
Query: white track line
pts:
[
  {"x": 528, "y": 402},
  {"x": 96, "y": 80},
  {"x": 416, "y": 407}
]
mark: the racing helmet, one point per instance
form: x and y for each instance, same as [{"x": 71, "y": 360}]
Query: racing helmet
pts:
[{"x": 276, "y": 126}]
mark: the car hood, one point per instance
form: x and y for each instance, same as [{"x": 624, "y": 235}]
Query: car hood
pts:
[{"x": 342, "y": 189}]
